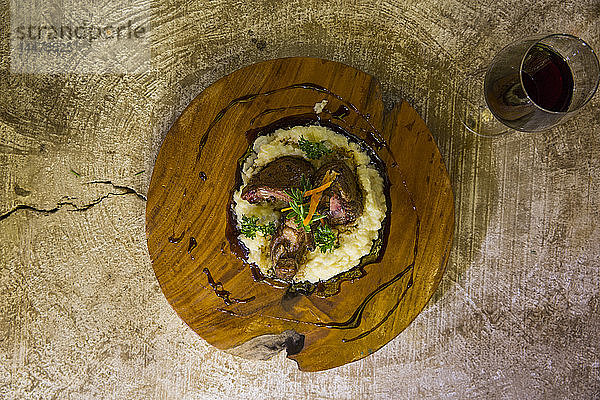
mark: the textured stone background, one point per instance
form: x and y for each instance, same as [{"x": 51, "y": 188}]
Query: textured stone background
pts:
[{"x": 81, "y": 314}]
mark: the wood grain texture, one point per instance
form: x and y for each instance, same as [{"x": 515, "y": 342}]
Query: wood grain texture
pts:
[
  {"x": 516, "y": 316},
  {"x": 182, "y": 205}
]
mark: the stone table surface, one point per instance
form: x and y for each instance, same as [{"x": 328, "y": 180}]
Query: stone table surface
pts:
[{"x": 517, "y": 314}]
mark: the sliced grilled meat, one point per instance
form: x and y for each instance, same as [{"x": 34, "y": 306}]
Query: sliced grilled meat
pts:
[
  {"x": 342, "y": 202},
  {"x": 270, "y": 183},
  {"x": 288, "y": 246}
]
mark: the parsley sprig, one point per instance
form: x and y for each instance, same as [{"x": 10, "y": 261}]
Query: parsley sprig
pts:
[
  {"x": 313, "y": 150},
  {"x": 325, "y": 239},
  {"x": 250, "y": 227}
]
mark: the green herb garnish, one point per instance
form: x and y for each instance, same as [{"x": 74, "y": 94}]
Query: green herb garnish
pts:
[
  {"x": 298, "y": 210},
  {"x": 313, "y": 150},
  {"x": 325, "y": 239},
  {"x": 250, "y": 226},
  {"x": 267, "y": 229}
]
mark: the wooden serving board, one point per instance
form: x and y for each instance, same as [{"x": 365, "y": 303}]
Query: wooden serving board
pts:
[{"x": 187, "y": 212}]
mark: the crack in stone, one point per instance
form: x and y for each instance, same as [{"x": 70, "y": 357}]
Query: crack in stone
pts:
[
  {"x": 120, "y": 187},
  {"x": 67, "y": 201}
]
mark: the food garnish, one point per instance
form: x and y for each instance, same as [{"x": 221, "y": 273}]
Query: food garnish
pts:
[
  {"x": 314, "y": 191},
  {"x": 313, "y": 150},
  {"x": 325, "y": 239},
  {"x": 250, "y": 227},
  {"x": 322, "y": 187},
  {"x": 315, "y": 194},
  {"x": 298, "y": 210}
]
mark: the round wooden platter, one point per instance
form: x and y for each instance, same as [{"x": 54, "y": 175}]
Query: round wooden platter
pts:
[{"x": 186, "y": 219}]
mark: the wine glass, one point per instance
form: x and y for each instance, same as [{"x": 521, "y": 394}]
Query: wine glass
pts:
[{"x": 532, "y": 85}]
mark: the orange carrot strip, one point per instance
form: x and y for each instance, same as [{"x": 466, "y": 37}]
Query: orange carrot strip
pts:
[
  {"x": 318, "y": 192},
  {"x": 325, "y": 183},
  {"x": 314, "y": 202}
]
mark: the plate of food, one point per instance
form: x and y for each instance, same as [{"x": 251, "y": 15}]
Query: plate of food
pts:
[{"x": 287, "y": 212}]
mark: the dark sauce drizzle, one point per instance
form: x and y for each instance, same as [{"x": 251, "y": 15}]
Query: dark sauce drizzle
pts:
[
  {"x": 201, "y": 147},
  {"x": 341, "y": 112},
  {"x": 175, "y": 240},
  {"x": 355, "y": 320},
  {"x": 374, "y": 139},
  {"x": 373, "y": 135},
  {"x": 217, "y": 287},
  {"x": 192, "y": 245}
]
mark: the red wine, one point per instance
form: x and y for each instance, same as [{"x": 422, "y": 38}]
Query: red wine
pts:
[
  {"x": 531, "y": 91},
  {"x": 547, "y": 79}
]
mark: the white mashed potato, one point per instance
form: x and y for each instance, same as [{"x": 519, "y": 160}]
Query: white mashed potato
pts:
[{"x": 355, "y": 240}]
